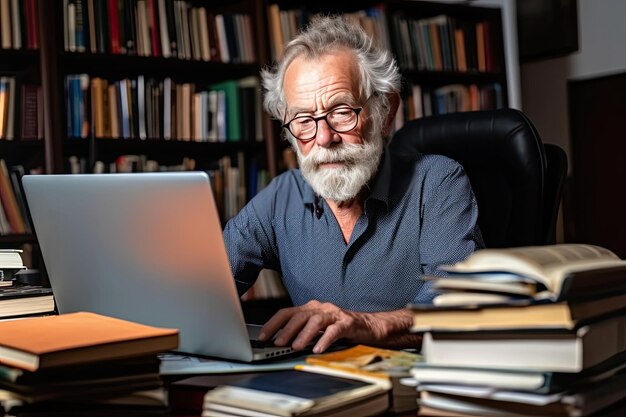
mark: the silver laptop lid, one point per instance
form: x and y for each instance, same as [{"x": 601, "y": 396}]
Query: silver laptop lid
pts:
[{"x": 142, "y": 247}]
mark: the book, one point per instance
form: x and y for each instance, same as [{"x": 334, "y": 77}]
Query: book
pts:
[
  {"x": 484, "y": 401},
  {"x": 9, "y": 202},
  {"x": 75, "y": 338},
  {"x": 29, "y": 112},
  {"x": 186, "y": 396},
  {"x": 23, "y": 300},
  {"x": 369, "y": 364},
  {"x": 551, "y": 350},
  {"x": 296, "y": 393},
  {"x": 543, "y": 382},
  {"x": 11, "y": 259},
  {"x": 523, "y": 314},
  {"x": 140, "y": 365},
  {"x": 557, "y": 272},
  {"x": 144, "y": 403},
  {"x": 85, "y": 387}
]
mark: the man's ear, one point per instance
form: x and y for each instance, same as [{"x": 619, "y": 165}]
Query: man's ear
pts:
[{"x": 394, "y": 102}]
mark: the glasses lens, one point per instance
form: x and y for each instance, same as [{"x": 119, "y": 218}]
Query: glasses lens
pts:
[
  {"x": 342, "y": 119},
  {"x": 303, "y": 127}
]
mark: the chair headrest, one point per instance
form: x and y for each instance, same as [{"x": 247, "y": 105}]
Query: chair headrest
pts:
[
  {"x": 503, "y": 139},
  {"x": 504, "y": 159}
]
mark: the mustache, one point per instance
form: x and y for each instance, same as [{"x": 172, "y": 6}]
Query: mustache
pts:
[{"x": 347, "y": 153}]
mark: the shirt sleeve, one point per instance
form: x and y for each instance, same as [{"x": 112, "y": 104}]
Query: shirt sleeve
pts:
[
  {"x": 249, "y": 239},
  {"x": 449, "y": 231}
]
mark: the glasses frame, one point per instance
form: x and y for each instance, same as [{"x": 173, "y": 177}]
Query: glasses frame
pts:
[{"x": 356, "y": 110}]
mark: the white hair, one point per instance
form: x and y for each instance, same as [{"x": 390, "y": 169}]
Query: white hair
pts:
[{"x": 326, "y": 34}]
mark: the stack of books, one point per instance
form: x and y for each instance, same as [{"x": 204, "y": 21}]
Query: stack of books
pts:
[
  {"x": 19, "y": 297},
  {"x": 81, "y": 363},
  {"x": 526, "y": 332},
  {"x": 359, "y": 380}
]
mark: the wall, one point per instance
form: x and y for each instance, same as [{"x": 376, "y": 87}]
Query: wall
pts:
[{"x": 602, "y": 51}]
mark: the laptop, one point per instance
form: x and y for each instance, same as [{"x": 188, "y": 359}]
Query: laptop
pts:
[{"x": 145, "y": 247}]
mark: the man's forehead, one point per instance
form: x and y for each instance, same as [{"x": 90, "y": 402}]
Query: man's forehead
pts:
[{"x": 331, "y": 78}]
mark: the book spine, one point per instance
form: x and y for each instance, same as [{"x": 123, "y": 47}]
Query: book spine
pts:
[
  {"x": 114, "y": 27},
  {"x": 9, "y": 202},
  {"x": 29, "y": 112},
  {"x": 154, "y": 29}
]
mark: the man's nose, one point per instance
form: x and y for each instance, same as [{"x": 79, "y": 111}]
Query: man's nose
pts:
[{"x": 325, "y": 135}]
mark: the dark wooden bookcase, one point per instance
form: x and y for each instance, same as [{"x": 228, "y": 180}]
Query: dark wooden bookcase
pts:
[
  {"x": 60, "y": 63},
  {"x": 489, "y": 81},
  {"x": 50, "y": 64},
  {"x": 24, "y": 66}
]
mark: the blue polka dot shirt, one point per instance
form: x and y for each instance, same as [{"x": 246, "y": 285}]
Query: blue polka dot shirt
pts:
[{"x": 420, "y": 212}]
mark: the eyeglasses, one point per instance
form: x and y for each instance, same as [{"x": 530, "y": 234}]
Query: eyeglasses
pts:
[{"x": 341, "y": 120}]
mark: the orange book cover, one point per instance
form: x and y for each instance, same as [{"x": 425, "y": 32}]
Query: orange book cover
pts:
[
  {"x": 480, "y": 46},
  {"x": 275, "y": 30},
  {"x": 367, "y": 360},
  {"x": 435, "y": 42},
  {"x": 461, "y": 59},
  {"x": 76, "y": 338},
  {"x": 9, "y": 202}
]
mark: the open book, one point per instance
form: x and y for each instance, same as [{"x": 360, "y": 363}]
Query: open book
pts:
[{"x": 553, "y": 272}]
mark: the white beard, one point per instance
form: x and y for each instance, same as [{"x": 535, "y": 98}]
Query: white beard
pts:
[{"x": 358, "y": 164}]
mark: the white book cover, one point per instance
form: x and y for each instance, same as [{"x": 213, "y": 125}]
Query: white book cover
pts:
[
  {"x": 221, "y": 37},
  {"x": 71, "y": 27}
]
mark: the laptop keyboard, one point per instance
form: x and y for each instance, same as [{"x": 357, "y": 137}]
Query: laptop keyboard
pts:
[{"x": 258, "y": 344}]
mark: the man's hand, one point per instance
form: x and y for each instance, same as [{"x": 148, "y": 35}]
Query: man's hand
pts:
[{"x": 302, "y": 325}]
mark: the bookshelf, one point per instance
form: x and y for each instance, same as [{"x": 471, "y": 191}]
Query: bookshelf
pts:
[
  {"x": 132, "y": 88},
  {"x": 73, "y": 52},
  {"x": 451, "y": 55},
  {"x": 21, "y": 121}
]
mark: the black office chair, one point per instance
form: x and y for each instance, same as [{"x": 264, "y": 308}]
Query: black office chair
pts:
[{"x": 517, "y": 179}]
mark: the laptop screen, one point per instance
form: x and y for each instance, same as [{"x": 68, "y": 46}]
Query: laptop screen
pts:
[{"x": 143, "y": 247}]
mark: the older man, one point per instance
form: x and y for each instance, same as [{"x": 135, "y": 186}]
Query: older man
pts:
[{"x": 354, "y": 229}]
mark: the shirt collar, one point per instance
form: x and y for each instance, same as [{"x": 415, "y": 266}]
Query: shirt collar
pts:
[{"x": 379, "y": 185}]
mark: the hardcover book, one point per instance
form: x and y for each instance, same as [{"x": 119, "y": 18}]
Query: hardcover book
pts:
[
  {"x": 78, "y": 338},
  {"x": 552, "y": 272},
  {"x": 297, "y": 393},
  {"x": 21, "y": 300},
  {"x": 538, "y": 350}
]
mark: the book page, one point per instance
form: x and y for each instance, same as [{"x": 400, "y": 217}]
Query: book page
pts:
[{"x": 545, "y": 264}]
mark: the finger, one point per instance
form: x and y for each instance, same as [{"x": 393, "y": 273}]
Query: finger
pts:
[
  {"x": 275, "y": 323},
  {"x": 294, "y": 326},
  {"x": 311, "y": 331},
  {"x": 332, "y": 333}
]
